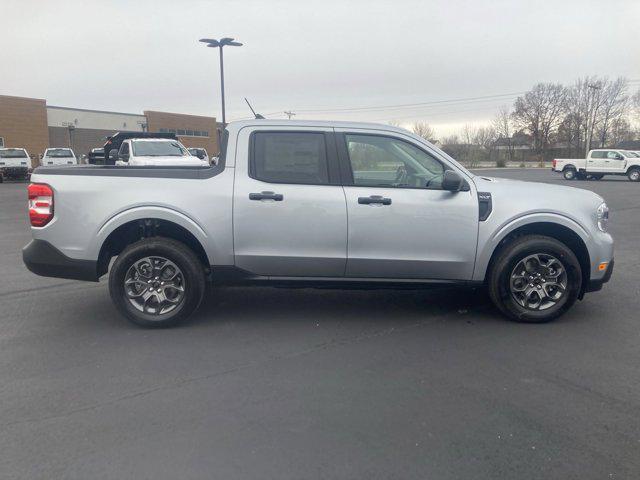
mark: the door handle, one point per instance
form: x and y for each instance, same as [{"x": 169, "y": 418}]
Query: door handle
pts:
[
  {"x": 374, "y": 199},
  {"x": 266, "y": 196}
]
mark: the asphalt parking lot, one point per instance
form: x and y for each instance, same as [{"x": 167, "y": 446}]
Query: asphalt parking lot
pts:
[{"x": 295, "y": 384}]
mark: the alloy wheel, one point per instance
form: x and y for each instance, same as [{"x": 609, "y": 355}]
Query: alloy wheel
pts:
[
  {"x": 538, "y": 281},
  {"x": 154, "y": 285}
]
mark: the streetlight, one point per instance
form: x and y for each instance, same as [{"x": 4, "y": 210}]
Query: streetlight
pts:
[{"x": 223, "y": 42}]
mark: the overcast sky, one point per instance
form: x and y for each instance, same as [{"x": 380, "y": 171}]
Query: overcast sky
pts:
[{"x": 312, "y": 55}]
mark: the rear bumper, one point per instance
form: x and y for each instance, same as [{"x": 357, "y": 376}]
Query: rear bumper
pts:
[
  {"x": 15, "y": 171},
  {"x": 595, "y": 285},
  {"x": 44, "y": 259}
]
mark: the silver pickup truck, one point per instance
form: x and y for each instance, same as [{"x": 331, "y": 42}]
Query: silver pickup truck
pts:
[{"x": 316, "y": 204}]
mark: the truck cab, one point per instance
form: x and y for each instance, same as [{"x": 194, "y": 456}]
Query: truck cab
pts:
[{"x": 59, "y": 156}]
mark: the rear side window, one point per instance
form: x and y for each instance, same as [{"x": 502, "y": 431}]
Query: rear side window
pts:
[
  {"x": 600, "y": 154},
  {"x": 289, "y": 157}
]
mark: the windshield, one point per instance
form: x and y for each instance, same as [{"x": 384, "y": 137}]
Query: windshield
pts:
[
  {"x": 631, "y": 154},
  {"x": 59, "y": 153},
  {"x": 158, "y": 149},
  {"x": 13, "y": 153}
]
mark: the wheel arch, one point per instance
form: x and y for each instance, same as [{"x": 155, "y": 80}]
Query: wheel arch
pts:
[
  {"x": 554, "y": 229},
  {"x": 568, "y": 166},
  {"x": 131, "y": 226}
]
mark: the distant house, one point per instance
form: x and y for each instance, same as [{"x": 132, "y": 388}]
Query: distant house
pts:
[
  {"x": 629, "y": 145},
  {"x": 519, "y": 141}
]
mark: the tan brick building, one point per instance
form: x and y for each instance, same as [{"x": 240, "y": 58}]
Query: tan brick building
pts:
[
  {"x": 32, "y": 124},
  {"x": 192, "y": 130},
  {"x": 23, "y": 124}
]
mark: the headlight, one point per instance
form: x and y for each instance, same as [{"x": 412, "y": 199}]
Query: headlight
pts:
[{"x": 602, "y": 214}]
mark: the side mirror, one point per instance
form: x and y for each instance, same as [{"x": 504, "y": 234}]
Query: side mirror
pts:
[
  {"x": 619, "y": 157},
  {"x": 451, "y": 181},
  {"x": 200, "y": 155},
  {"x": 113, "y": 155},
  {"x": 124, "y": 157}
]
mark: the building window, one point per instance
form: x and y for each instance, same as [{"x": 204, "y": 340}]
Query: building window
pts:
[
  {"x": 181, "y": 132},
  {"x": 1, "y": 142},
  {"x": 163, "y": 130},
  {"x": 205, "y": 134},
  {"x": 189, "y": 133}
]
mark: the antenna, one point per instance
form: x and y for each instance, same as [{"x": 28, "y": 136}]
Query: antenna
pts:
[
  {"x": 257, "y": 115},
  {"x": 289, "y": 114}
]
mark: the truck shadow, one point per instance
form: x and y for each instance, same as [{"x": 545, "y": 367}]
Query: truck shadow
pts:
[{"x": 315, "y": 305}]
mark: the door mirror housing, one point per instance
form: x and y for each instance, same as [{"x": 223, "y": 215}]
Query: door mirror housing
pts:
[
  {"x": 619, "y": 157},
  {"x": 200, "y": 155},
  {"x": 451, "y": 181},
  {"x": 113, "y": 155},
  {"x": 123, "y": 157}
]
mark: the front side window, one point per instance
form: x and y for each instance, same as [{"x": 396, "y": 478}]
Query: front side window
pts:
[
  {"x": 283, "y": 157},
  {"x": 13, "y": 153},
  {"x": 158, "y": 149},
  {"x": 613, "y": 155},
  {"x": 391, "y": 162}
]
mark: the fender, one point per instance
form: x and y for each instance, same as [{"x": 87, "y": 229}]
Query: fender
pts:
[
  {"x": 492, "y": 242},
  {"x": 152, "y": 211}
]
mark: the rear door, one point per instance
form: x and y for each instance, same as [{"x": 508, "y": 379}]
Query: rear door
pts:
[
  {"x": 289, "y": 215},
  {"x": 401, "y": 223}
]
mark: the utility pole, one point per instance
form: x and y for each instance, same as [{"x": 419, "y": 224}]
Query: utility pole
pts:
[
  {"x": 289, "y": 114},
  {"x": 213, "y": 43},
  {"x": 591, "y": 120}
]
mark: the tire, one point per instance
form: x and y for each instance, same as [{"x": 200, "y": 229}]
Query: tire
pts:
[
  {"x": 569, "y": 173},
  {"x": 176, "y": 304},
  {"x": 634, "y": 174},
  {"x": 505, "y": 265}
]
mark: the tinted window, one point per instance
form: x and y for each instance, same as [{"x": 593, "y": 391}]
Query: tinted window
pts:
[
  {"x": 290, "y": 158},
  {"x": 385, "y": 161},
  {"x": 158, "y": 149},
  {"x": 13, "y": 153},
  {"x": 598, "y": 154}
]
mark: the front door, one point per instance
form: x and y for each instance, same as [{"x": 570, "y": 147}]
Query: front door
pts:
[
  {"x": 401, "y": 223},
  {"x": 289, "y": 216}
]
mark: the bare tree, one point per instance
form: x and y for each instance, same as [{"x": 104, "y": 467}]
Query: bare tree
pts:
[
  {"x": 540, "y": 111},
  {"x": 614, "y": 103},
  {"x": 503, "y": 126},
  {"x": 424, "y": 130}
]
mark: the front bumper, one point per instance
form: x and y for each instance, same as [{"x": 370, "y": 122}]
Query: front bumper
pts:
[
  {"x": 596, "y": 284},
  {"x": 44, "y": 259}
]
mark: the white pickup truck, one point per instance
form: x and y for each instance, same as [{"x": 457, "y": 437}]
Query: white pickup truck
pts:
[
  {"x": 59, "y": 156},
  {"x": 599, "y": 163},
  {"x": 15, "y": 163},
  {"x": 145, "y": 152}
]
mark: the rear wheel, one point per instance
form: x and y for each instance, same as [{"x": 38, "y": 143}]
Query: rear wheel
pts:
[
  {"x": 569, "y": 173},
  {"x": 157, "y": 282},
  {"x": 634, "y": 174},
  {"x": 535, "y": 279}
]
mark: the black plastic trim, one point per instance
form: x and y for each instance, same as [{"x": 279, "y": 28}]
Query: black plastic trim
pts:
[
  {"x": 44, "y": 259},
  {"x": 485, "y": 205},
  {"x": 230, "y": 275},
  {"x": 196, "y": 173}
]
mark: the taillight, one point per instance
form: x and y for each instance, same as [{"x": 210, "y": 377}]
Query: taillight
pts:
[{"x": 40, "y": 204}]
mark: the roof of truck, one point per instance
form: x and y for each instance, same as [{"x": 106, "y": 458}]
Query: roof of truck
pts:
[{"x": 314, "y": 123}]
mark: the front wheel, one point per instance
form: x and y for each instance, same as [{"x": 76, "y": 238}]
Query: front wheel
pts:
[
  {"x": 634, "y": 174},
  {"x": 535, "y": 279},
  {"x": 569, "y": 173},
  {"x": 157, "y": 282}
]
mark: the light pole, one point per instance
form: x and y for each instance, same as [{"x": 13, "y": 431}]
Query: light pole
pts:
[
  {"x": 591, "y": 120},
  {"x": 223, "y": 42}
]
